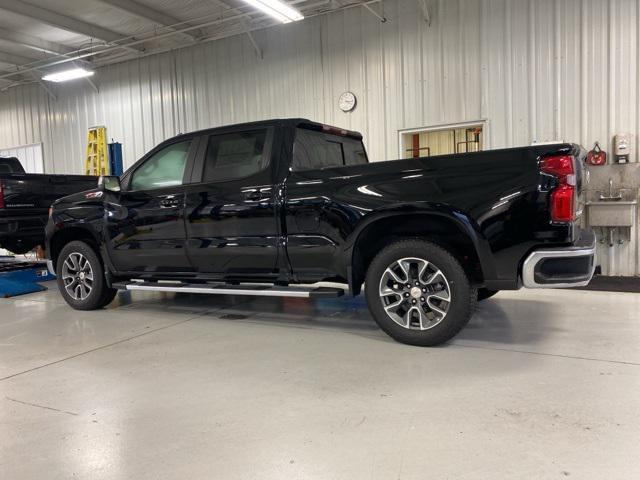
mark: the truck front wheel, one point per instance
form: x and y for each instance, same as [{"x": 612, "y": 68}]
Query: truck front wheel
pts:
[
  {"x": 81, "y": 277},
  {"x": 418, "y": 293}
]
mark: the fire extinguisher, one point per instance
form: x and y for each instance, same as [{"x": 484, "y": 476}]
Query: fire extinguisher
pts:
[{"x": 596, "y": 155}]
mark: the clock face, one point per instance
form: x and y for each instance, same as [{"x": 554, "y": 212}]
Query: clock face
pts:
[{"x": 347, "y": 102}]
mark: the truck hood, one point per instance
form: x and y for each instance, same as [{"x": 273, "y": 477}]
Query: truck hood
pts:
[{"x": 86, "y": 195}]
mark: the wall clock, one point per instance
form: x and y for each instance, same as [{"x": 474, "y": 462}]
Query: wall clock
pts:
[{"x": 347, "y": 102}]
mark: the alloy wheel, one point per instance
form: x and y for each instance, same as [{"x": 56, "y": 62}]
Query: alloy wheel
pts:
[
  {"x": 77, "y": 276},
  {"x": 415, "y": 293}
]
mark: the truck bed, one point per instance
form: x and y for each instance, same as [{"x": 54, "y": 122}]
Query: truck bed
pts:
[{"x": 24, "y": 203}]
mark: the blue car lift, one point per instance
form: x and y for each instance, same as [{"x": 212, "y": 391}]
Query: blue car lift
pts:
[{"x": 20, "y": 277}]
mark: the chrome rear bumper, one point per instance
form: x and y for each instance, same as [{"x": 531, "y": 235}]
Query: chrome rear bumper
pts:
[{"x": 561, "y": 267}]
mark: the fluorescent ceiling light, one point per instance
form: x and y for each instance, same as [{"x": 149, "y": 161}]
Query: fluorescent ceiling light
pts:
[
  {"x": 66, "y": 75},
  {"x": 277, "y": 9}
]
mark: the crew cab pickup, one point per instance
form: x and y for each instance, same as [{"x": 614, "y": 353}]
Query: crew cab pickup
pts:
[
  {"x": 25, "y": 200},
  {"x": 265, "y": 208}
]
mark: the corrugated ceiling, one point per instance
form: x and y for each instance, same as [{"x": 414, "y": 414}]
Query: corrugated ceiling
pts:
[{"x": 122, "y": 18}]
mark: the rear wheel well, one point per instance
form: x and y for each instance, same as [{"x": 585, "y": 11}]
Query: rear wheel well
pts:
[
  {"x": 436, "y": 229},
  {"x": 61, "y": 238}
]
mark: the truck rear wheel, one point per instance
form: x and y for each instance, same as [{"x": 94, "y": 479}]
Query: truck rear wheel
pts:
[
  {"x": 418, "y": 293},
  {"x": 81, "y": 277}
]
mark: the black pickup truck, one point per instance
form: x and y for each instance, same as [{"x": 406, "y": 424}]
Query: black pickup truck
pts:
[
  {"x": 264, "y": 208},
  {"x": 24, "y": 202}
]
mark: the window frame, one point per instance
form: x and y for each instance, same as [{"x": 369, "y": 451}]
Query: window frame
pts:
[
  {"x": 197, "y": 174},
  {"x": 325, "y": 134},
  {"x": 483, "y": 123},
  {"x": 193, "y": 147}
]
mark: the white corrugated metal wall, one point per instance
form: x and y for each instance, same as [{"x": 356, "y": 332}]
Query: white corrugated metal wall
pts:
[
  {"x": 30, "y": 156},
  {"x": 534, "y": 69}
]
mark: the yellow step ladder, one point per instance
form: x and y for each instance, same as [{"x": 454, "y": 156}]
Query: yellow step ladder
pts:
[{"x": 97, "y": 161}]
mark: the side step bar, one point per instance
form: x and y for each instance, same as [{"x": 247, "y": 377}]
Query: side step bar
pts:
[{"x": 223, "y": 289}]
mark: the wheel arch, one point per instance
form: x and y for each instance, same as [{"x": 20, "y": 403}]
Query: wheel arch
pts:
[
  {"x": 64, "y": 236},
  {"x": 451, "y": 230}
]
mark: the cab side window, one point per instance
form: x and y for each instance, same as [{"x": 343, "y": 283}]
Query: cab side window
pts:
[
  {"x": 314, "y": 150},
  {"x": 235, "y": 155},
  {"x": 163, "y": 169},
  {"x": 354, "y": 152}
]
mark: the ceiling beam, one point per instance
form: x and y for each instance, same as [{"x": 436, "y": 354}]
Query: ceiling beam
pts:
[
  {"x": 18, "y": 76},
  {"x": 34, "y": 43},
  {"x": 17, "y": 60},
  {"x": 256, "y": 47},
  {"x": 85, "y": 52},
  {"x": 63, "y": 22},
  {"x": 147, "y": 13},
  {"x": 379, "y": 16}
]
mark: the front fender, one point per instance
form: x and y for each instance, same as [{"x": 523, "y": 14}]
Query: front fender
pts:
[{"x": 83, "y": 221}]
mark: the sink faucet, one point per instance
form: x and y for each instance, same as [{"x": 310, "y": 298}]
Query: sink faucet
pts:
[{"x": 611, "y": 195}]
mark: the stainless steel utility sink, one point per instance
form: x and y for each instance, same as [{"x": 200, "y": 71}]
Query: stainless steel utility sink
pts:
[{"x": 611, "y": 213}]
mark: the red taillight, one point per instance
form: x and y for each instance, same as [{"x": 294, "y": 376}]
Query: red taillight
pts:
[
  {"x": 560, "y": 166},
  {"x": 563, "y": 197},
  {"x": 1, "y": 195},
  {"x": 562, "y": 204}
]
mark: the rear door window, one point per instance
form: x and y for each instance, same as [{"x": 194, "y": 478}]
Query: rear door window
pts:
[{"x": 236, "y": 155}]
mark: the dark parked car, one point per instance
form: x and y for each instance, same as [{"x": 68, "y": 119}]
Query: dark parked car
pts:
[
  {"x": 25, "y": 199},
  {"x": 290, "y": 202}
]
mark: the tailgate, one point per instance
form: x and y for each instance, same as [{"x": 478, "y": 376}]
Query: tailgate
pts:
[{"x": 32, "y": 194}]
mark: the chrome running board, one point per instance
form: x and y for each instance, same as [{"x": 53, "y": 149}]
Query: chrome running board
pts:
[{"x": 222, "y": 289}]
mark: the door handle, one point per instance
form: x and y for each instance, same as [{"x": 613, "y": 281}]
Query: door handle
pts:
[
  {"x": 253, "y": 195},
  {"x": 170, "y": 202},
  {"x": 256, "y": 194}
]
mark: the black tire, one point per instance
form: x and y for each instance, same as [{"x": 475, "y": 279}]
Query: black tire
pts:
[
  {"x": 100, "y": 294},
  {"x": 463, "y": 295},
  {"x": 108, "y": 296},
  {"x": 484, "y": 293}
]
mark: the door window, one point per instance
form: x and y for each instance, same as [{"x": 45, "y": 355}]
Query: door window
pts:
[
  {"x": 164, "y": 169},
  {"x": 235, "y": 155}
]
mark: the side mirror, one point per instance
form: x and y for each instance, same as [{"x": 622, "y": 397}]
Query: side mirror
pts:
[{"x": 110, "y": 183}]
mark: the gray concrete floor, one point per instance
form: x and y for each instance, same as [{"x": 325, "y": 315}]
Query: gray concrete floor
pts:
[{"x": 541, "y": 384}]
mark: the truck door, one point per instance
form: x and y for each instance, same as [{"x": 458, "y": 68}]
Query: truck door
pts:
[
  {"x": 316, "y": 226},
  {"x": 145, "y": 221},
  {"x": 231, "y": 221}
]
